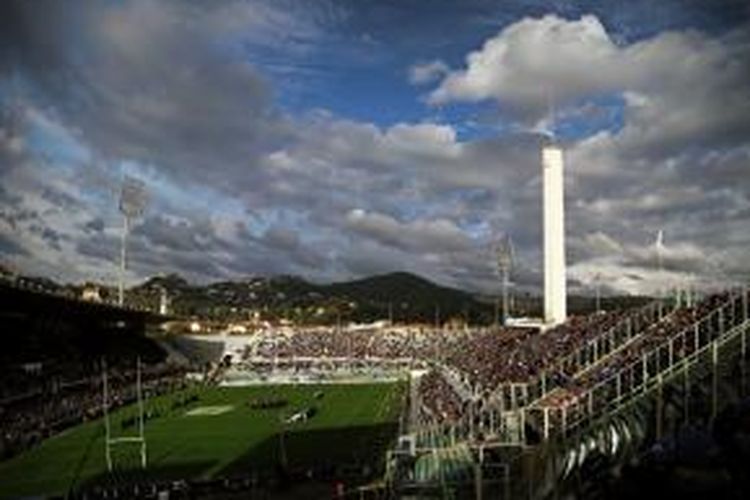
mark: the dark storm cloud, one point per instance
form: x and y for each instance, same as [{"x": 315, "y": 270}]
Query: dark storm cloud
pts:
[
  {"x": 15, "y": 217},
  {"x": 139, "y": 90},
  {"x": 60, "y": 199},
  {"x": 280, "y": 250},
  {"x": 95, "y": 225},
  {"x": 9, "y": 199},
  {"x": 281, "y": 238},
  {"x": 146, "y": 258},
  {"x": 9, "y": 246},
  {"x": 167, "y": 97},
  {"x": 166, "y": 242},
  {"x": 179, "y": 235},
  {"x": 49, "y": 235},
  {"x": 102, "y": 248}
]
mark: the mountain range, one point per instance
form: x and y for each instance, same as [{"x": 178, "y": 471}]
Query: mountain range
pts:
[{"x": 398, "y": 296}]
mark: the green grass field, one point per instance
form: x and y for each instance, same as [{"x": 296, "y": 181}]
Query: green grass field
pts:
[{"x": 353, "y": 424}]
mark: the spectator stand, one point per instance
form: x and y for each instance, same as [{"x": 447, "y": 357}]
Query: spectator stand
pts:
[{"x": 659, "y": 355}]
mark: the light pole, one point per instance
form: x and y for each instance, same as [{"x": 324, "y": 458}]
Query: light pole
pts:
[
  {"x": 598, "y": 282},
  {"x": 659, "y": 247},
  {"x": 504, "y": 262},
  {"x": 132, "y": 205}
]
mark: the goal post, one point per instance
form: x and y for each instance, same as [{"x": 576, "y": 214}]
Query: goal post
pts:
[{"x": 109, "y": 441}]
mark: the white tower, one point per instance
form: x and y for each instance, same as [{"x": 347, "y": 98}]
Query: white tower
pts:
[{"x": 554, "y": 234}]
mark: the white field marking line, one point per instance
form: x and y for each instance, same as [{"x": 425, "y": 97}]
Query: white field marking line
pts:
[{"x": 209, "y": 411}]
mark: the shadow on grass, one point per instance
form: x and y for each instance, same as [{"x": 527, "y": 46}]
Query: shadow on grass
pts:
[
  {"x": 135, "y": 475},
  {"x": 318, "y": 453},
  {"x": 301, "y": 458}
]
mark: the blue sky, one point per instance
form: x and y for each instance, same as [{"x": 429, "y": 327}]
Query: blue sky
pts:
[
  {"x": 360, "y": 70},
  {"x": 336, "y": 139}
]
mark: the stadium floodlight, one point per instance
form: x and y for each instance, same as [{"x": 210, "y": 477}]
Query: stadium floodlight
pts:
[
  {"x": 503, "y": 264},
  {"x": 437, "y": 317},
  {"x": 659, "y": 249},
  {"x": 598, "y": 285},
  {"x": 133, "y": 199},
  {"x": 659, "y": 246}
]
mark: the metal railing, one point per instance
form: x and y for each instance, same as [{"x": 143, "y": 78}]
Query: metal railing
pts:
[
  {"x": 669, "y": 357},
  {"x": 516, "y": 395}
]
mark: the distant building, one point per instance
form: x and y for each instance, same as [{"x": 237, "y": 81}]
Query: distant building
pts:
[
  {"x": 164, "y": 302},
  {"x": 7, "y": 273},
  {"x": 91, "y": 293},
  {"x": 236, "y": 328},
  {"x": 456, "y": 323}
]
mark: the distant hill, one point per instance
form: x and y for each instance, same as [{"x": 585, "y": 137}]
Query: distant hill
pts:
[
  {"x": 400, "y": 296},
  {"x": 394, "y": 286},
  {"x": 407, "y": 296}
]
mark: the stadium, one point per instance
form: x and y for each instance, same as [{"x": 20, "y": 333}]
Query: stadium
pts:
[
  {"x": 374, "y": 250},
  {"x": 106, "y": 398},
  {"x": 376, "y": 413},
  {"x": 198, "y": 430}
]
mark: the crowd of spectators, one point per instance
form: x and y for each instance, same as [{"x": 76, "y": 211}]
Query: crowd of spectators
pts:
[
  {"x": 489, "y": 358},
  {"x": 480, "y": 360},
  {"x": 42, "y": 406},
  {"x": 671, "y": 325},
  {"x": 439, "y": 401},
  {"x": 371, "y": 343},
  {"x": 650, "y": 338},
  {"x": 484, "y": 357},
  {"x": 477, "y": 360},
  {"x": 540, "y": 352}
]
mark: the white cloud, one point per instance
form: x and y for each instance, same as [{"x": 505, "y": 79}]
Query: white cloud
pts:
[
  {"x": 428, "y": 72},
  {"x": 601, "y": 243},
  {"x": 533, "y": 59},
  {"x": 323, "y": 196},
  {"x": 427, "y": 138},
  {"x": 428, "y": 236}
]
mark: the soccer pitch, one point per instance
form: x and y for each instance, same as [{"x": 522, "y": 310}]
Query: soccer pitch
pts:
[{"x": 218, "y": 435}]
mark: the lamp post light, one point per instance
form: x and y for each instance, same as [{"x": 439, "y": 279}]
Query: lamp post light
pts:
[
  {"x": 659, "y": 249},
  {"x": 133, "y": 200},
  {"x": 598, "y": 283},
  {"x": 503, "y": 263}
]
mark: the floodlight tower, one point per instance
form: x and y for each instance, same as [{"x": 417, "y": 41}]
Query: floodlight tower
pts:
[
  {"x": 555, "y": 310},
  {"x": 659, "y": 249},
  {"x": 598, "y": 283},
  {"x": 504, "y": 262},
  {"x": 132, "y": 205}
]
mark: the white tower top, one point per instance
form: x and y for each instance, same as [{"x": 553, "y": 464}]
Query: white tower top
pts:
[{"x": 555, "y": 309}]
